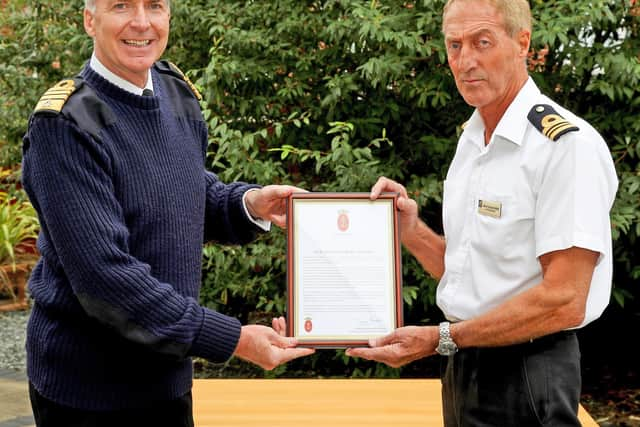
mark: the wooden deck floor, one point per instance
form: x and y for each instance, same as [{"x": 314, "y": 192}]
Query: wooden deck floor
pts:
[{"x": 327, "y": 403}]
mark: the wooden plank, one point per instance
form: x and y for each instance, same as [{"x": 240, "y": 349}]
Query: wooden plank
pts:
[{"x": 321, "y": 402}]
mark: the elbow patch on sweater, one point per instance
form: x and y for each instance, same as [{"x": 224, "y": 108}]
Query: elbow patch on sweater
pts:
[{"x": 117, "y": 319}]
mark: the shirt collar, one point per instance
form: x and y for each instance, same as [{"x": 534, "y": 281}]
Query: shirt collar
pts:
[
  {"x": 513, "y": 123},
  {"x": 108, "y": 75},
  {"x": 474, "y": 130}
]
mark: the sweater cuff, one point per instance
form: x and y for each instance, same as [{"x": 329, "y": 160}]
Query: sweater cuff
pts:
[
  {"x": 218, "y": 337},
  {"x": 245, "y": 227}
]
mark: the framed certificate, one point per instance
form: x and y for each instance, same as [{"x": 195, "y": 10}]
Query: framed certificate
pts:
[{"x": 344, "y": 276}]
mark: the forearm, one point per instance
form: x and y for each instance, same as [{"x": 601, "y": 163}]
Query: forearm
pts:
[
  {"x": 527, "y": 316},
  {"x": 556, "y": 304},
  {"x": 428, "y": 247}
]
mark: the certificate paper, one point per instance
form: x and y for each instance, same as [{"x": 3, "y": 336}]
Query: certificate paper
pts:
[{"x": 343, "y": 268}]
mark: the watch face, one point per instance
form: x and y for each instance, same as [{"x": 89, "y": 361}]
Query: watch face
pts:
[{"x": 447, "y": 348}]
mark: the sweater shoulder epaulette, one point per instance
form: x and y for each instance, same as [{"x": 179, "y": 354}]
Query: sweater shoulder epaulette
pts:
[
  {"x": 551, "y": 124},
  {"x": 169, "y": 68},
  {"x": 55, "y": 97},
  {"x": 77, "y": 101}
]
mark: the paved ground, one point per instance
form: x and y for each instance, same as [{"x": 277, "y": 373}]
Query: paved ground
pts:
[{"x": 15, "y": 409}]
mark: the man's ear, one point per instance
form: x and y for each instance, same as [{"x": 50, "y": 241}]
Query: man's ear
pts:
[
  {"x": 88, "y": 23},
  {"x": 524, "y": 42}
]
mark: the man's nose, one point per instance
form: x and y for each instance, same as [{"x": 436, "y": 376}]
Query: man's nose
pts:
[
  {"x": 141, "y": 17},
  {"x": 466, "y": 59}
]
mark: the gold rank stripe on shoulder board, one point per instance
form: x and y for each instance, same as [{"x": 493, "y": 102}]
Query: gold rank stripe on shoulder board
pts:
[
  {"x": 554, "y": 126},
  {"x": 186, "y": 79},
  {"x": 53, "y": 99},
  {"x": 551, "y": 124}
]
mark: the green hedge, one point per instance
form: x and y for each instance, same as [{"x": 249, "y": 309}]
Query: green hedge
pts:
[{"x": 329, "y": 95}]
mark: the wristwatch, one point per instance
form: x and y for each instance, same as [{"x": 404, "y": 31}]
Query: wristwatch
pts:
[{"x": 446, "y": 346}]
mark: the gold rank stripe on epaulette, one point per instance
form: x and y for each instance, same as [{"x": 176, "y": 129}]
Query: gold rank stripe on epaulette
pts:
[
  {"x": 464, "y": 125},
  {"x": 186, "y": 79},
  {"x": 53, "y": 99},
  {"x": 551, "y": 124}
]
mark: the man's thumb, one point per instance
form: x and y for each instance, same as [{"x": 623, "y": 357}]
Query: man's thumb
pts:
[{"x": 382, "y": 341}]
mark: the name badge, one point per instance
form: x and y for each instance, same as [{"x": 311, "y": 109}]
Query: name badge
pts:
[{"x": 492, "y": 209}]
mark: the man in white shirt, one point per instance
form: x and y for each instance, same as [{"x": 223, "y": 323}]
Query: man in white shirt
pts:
[{"x": 526, "y": 255}]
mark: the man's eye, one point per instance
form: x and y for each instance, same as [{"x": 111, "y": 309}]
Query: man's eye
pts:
[{"x": 120, "y": 6}]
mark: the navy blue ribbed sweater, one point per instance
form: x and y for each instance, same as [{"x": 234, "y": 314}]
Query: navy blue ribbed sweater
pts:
[{"x": 123, "y": 216}]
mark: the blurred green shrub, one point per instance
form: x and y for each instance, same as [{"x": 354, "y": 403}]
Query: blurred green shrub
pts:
[
  {"x": 41, "y": 42},
  {"x": 18, "y": 230},
  {"x": 329, "y": 95}
]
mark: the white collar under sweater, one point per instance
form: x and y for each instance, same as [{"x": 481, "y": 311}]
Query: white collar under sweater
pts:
[{"x": 99, "y": 68}]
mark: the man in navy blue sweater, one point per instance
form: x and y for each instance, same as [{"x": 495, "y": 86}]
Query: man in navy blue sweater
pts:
[{"x": 114, "y": 165}]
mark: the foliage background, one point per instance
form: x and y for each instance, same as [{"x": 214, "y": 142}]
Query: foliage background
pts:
[{"x": 329, "y": 95}]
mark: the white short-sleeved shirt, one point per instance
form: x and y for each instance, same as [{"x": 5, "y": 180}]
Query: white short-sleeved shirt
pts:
[{"x": 519, "y": 197}]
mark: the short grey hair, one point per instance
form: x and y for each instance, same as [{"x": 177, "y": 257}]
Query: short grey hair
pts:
[
  {"x": 90, "y": 5},
  {"x": 516, "y": 14}
]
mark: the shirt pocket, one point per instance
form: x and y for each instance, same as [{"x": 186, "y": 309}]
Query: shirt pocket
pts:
[{"x": 503, "y": 226}]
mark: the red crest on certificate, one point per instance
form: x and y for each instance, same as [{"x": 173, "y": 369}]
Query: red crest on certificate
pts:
[
  {"x": 308, "y": 325},
  {"x": 343, "y": 220}
]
